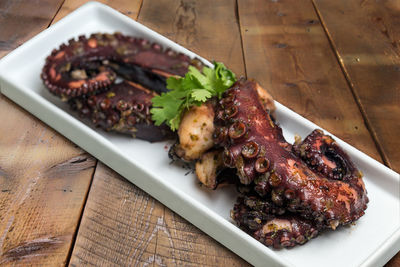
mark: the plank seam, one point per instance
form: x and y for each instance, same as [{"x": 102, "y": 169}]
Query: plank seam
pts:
[
  {"x": 58, "y": 10},
  {"x": 75, "y": 235},
  {"x": 140, "y": 9},
  {"x": 241, "y": 35},
  {"x": 367, "y": 122}
]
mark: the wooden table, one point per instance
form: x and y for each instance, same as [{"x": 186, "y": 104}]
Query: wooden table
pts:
[{"x": 336, "y": 63}]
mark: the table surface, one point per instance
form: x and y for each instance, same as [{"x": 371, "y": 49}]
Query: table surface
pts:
[{"x": 337, "y": 63}]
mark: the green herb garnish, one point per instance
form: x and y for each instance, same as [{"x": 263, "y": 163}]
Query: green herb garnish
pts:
[{"x": 193, "y": 89}]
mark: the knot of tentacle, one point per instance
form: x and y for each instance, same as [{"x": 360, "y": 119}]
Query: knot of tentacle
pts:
[
  {"x": 321, "y": 153},
  {"x": 272, "y": 225},
  {"x": 90, "y": 65}
]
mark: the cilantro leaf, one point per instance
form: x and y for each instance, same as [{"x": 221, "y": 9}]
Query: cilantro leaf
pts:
[
  {"x": 173, "y": 83},
  {"x": 201, "y": 95},
  {"x": 165, "y": 107},
  {"x": 193, "y": 89},
  {"x": 196, "y": 74}
]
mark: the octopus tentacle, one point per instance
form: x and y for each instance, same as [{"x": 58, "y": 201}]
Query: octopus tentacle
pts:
[
  {"x": 90, "y": 65},
  {"x": 254, "y": 138},
  {"x": 123, "y": 109},
  {"x": 84, "y": 73},
  {"x": 323, "y": 155},
  {"x": 259, "y": 218}
]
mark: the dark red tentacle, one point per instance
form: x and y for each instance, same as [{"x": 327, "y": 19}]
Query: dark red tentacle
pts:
[
  {"x": 257, "y": 149},
  {"x": 84, "y": 71},
  {"x": 323, "y": 155},
  {"x": 272, "y": 225},
  {"x": 125, "y": 108},
  {"x": 90, "y": 65}
]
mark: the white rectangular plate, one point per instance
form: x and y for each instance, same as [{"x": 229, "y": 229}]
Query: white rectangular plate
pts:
[{"x": 371, "y": 242}]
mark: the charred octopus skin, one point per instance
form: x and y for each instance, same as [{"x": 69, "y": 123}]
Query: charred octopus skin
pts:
[
  {"x": 270, "y": 224},
  {"x": 324, "y": 156},
  {"x": 125, "y": 108},
  {"x": 329, "y": 191},
  {"x": 196, "y": 129},
  {"x": 84, "y": 73},
  {"x": 89, "y": 65}
]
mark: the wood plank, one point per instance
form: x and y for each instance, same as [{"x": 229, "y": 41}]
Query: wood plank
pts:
[
  {"x": 208, "y": 28},
  {"x": 129, "y": 8},
  {"x": 366, "y": 39},
  {"x": 119, "y": 225},
  {"x": 21, "y": 20},
  {"x": 287, "y": 51},
  {"x": 44, "y": 181},
  {"x": 122, "y": 225},
  {"x": 184, "y": 244},
  {"x": 41, "y": 204},
  {"x": 44, "y": 178}
]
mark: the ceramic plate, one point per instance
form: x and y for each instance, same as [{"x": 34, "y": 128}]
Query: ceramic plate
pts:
[{"x": 372, "y": 241}]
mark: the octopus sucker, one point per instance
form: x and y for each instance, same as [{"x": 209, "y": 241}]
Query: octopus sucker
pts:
[
  {"x": 323, "y": 155},
  {"x": 84, "y": 72},
  {"x": 288, "y": 193},
  {"x": 102, "y": 57},
  {"x": 271, "y": 225},
  {"x": 315, "y": 178},
  {"x": 123, "y": 109}
]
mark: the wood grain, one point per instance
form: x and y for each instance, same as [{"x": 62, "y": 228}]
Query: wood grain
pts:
[
  {"x": 21, "y": 20},
  {"x": 287, "y": 51},
  {"x": 366, "y": 38},
  {"x": 129, "y": 8},
  {"x": 122, "y": 225},
  {"x": 44, "y": 178},
  {"x": 44, "y": 181},
  {"x": 208, "y": 28}
]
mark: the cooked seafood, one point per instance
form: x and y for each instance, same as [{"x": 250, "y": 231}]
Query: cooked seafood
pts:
[
  {"x": 307, "y": 187},
  {"x": 288, "y": 193},
  {"x": 84, "y": 73}
]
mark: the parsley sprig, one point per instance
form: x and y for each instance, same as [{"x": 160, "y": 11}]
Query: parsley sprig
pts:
[{"x": 193, "y": 89}]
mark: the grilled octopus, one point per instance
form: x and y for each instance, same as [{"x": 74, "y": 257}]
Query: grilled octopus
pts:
[
  {"x": 84, "y": 73},
  {"x": 289, "y": 193}
]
